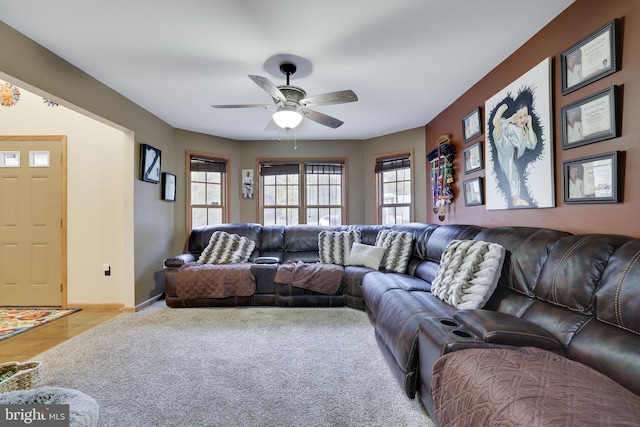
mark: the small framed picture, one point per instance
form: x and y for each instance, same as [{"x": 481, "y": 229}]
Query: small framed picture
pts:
[
  {"x": 471, "y": 125},
  {"x": 150, "y": 159},
  {"x": 591, "y": 59},
  {"x": 589, "y": 120},
  {"x": 473, "y": 160},
  {"x": 168, "y": 187},
  {"x": 473, "y": 192},
  {"x": 593, "y": 179}
]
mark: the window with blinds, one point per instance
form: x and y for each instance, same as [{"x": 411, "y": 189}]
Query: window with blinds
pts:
[
  {"x": 207, "y": 189},
  {"x": 394, "y": 188},
  {"x": 304, "y": 192}
]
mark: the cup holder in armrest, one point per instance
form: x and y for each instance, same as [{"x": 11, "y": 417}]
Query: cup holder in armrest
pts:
[
  {"x": 456, "y": 328},
  {"x": 449, "y": 322},
  {"x": 461, "y": 333}
]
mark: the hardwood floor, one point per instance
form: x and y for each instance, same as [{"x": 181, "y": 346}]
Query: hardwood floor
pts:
[{"x": 27, "y": 345}]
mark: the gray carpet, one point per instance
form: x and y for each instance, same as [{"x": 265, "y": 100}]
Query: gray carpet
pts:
[{"x": 255, "y": 366}]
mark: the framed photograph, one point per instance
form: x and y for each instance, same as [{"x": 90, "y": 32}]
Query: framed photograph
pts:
[
  {"x": 518, "y": 145},
  {"x": 473, "y": 160},
  {"x": 247, "y": 183},
  {"x": 593, "y": 179},
  {"x": 472, "y": 125},
  {"x": 591, "y": 59},
  {"x": 168, "y": 187},
  {"x": 591, "y": 119},
  {"x": 150, "y": 158},
  {"x": 473, "y": 192}
]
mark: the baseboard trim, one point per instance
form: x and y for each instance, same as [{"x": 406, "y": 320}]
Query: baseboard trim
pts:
[
  {"x": 143, "y": 304},
  {"x": 117, "y": 307},
  {"x": 97, "y": 307}
]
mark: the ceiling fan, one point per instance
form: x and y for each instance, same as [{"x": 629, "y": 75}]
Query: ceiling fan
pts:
[{"x": 291, "y": 102}]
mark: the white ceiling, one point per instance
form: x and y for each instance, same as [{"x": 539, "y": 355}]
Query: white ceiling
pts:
[{"x": 407, "y": 60}]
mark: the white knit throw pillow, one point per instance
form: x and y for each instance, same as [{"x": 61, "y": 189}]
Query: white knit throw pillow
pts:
[
  {"x": 225, "y": 248},
  {"x": 398, "y": 246},
  {"x": 468, "y": 273},
  {"x": 335, "y": 246}
]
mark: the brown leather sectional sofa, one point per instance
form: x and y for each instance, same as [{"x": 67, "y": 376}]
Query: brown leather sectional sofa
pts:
[{"x": 566, "y": 306}]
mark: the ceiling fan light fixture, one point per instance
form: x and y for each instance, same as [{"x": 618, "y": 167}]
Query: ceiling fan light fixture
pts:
[{"x": 287, "y": 119}]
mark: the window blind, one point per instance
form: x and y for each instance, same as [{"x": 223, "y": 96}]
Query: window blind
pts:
[
  {"x": 279, "y": 169},
  {"x": 323, "y": 168},
  {"x": 393, "y": 163},
  {"x": 202, "y": 164}
]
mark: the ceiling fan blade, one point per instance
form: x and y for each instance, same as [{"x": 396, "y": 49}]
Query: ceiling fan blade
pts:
[
  {"x": 340, "y": 97},
  {"x": 321, "y": 118},
  {"x": 265, "y": 106},
  {"x": 269, "y": 87}
]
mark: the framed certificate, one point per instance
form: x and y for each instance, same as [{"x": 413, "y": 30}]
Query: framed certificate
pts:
[
  {"x": 591, "y": 59},
  {"x": 473, "y": 192},
  {"x": 473, "y": 158},
  {"x": 593, "y": 179},
  {"x": 592, "y": 119},
  {"x": 472, "y": 125}
]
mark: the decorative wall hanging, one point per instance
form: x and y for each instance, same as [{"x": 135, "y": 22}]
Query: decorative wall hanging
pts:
[
  {"x": 441, "y": 159},
  {"x": 593, "y": 179},
  {"x": 168, "y": 187},
  {"x": 519, "y": 143},
  {"x": 592, "y": 119},
  {"x": 150, "y": 158},
  {"x": 9, "y": 95},
  {"x": 247, "y": 183},
  {"x": 591, "y": 59}
]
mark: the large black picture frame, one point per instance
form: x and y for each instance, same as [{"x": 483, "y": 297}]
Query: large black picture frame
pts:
[
  {"x": 592, "y": 119},
  {"x": 592, "y": 58},
  {"x": 593, "y": 179}
]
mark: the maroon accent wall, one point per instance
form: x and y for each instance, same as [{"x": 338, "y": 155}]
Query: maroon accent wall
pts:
[{"x": 575, "y": 23}]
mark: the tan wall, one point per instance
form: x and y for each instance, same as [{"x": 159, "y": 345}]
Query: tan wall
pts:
[
  {"x": 150, "y": 219},
  {"x": 192, "y": 141},
  {"x": 411, "y": 139},
  {"x": 158, "y": 227},
  {"x": 245, "y": 155},
  {"x": 578, "y": 21},
  {"x": 97, "y": 193},
  {"x": 351, "y": 150}
]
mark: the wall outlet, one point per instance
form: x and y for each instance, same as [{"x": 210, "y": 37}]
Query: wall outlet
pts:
[{"x": 107, "y": 269}]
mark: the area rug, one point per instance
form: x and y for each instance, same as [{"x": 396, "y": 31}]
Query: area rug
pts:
[
  {"x": 14, "y": 321},
  {"x": 234, "y": 367}
]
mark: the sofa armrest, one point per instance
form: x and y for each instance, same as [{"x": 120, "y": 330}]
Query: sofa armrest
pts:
[
  {"x": 179, "y": 260},
  {"x": 437, "y": 337},
  {"x": 502, "y": 328}
]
